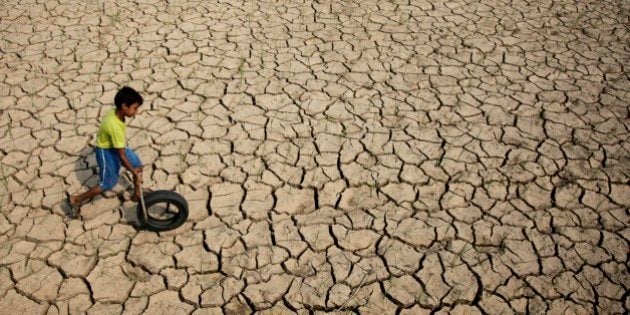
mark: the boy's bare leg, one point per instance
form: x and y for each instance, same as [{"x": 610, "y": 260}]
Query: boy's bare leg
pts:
[{"x": 77, "y": 200}]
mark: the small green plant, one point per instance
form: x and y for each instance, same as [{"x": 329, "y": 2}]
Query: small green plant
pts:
[
  {"x": 51, "y": 130},
  {"x": 260, "y": 171},
  {"x": 241, "y": 71},
  {"x": 422, "y": 296},
  {"x": 116, "y": 17},
  {"x": 4, "y": 185},
  {"x": 182, "y": 158},
  {"x": 11, "y": 136},
  {"x": 502, "y": 244}
]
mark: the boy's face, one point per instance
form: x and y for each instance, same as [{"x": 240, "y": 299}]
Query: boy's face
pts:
[{"x": 130, "y": 110}]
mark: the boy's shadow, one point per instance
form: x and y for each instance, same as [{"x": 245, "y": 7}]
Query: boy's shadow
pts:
[{"x": 86, "y": 173}]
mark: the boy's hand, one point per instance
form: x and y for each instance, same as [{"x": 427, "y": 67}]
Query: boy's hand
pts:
[{"x": 137, "y": 174}]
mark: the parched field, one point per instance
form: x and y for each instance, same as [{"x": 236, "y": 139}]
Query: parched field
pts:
[{"x": 373, "y": 157}]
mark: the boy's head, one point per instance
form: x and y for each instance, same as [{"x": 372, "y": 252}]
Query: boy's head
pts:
[{"x": 128, "y": 100}]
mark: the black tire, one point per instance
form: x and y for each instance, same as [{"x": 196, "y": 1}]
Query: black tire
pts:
[{"x": 160, "y": 215}]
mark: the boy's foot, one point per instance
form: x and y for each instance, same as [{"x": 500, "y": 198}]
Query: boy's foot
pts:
[{"x": 73, "y": 207}]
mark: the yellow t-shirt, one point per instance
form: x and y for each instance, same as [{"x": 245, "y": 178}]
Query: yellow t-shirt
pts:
[{"x": 111, "y": 133}]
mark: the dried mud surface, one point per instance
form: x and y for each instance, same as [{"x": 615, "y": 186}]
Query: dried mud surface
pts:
[{"x": 378, "y": 157}]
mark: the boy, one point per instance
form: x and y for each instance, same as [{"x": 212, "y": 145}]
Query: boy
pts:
[{"x": 111, "y": 150}]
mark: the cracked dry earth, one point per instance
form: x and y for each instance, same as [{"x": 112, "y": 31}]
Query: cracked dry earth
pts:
[{"x": 405, "y": 157}]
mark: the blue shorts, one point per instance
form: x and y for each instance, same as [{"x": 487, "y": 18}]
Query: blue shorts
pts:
[{"x": 109, "y": 165}]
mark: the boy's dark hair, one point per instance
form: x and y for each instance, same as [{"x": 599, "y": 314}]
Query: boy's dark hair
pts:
[{"x": 127, "y": 96}]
